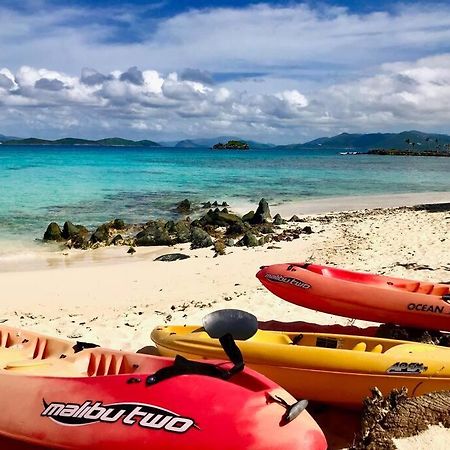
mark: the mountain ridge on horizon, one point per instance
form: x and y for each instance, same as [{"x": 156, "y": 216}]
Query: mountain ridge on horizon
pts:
[{"x": 404, "y": 140}]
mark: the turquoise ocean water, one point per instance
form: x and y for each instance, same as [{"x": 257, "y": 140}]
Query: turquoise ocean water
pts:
[{"x": 91, "y": 185}]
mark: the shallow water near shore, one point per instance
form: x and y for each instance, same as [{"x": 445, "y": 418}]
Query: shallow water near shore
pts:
[{"x": 91, "y": 185}]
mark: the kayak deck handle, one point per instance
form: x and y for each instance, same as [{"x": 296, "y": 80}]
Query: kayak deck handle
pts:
[{"x": 292, "y": 411}]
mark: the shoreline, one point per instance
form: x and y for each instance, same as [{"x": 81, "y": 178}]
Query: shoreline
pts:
[
  {"x": 115, "y": 299},
  {"x": 351, "y": 203},
  {"x": 41, "y": 256}
]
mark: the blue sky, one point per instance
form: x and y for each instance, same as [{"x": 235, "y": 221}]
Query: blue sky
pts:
[{"x": 273, "y": 71}]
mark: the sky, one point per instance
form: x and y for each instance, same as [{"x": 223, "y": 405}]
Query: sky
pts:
[{"x": 280, "y": 71}]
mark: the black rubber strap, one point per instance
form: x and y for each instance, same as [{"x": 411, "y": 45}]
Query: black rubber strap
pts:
[{"x": 183, "y": 366}]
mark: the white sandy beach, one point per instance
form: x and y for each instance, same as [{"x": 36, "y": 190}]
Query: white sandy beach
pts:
[{"x": 114, "y": 299}]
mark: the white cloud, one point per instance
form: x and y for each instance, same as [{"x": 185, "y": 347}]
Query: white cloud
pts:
[
  {"x": 316, "y": 71},
  {"x": 258, "y": 37}
]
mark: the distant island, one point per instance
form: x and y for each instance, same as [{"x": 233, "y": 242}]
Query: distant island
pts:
[
  {"x": 406, "y": 143},
  {"x": 232, "y": 145},
  {"x": 108, "y": 142}
]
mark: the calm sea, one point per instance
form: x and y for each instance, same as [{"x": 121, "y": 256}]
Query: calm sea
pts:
[{"x": 91, "y": 185}]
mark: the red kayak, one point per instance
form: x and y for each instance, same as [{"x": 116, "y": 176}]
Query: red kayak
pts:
[
  {"x": 56, "y": 394},
  {"x": 360, "y": 295}
]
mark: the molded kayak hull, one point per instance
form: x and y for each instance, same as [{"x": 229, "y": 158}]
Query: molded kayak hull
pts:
[
  {"x": 329, "y": 368},
  {"x": 57, "y": 397},
  {"x": 360, "y": 295}
]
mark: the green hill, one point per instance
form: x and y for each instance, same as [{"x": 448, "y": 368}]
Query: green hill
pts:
[
  {"x": 4, "y": 138},
  {"x": 107, "y": 142},
  {"x": 406, "y": 140}
]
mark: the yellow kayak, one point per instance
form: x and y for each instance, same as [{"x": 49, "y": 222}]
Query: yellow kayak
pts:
[{"x": 328, "y": 368}]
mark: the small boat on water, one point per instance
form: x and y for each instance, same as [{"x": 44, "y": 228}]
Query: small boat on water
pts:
[
  {"x": 58, "y": 394},
  {"x": 359, "y": 295},
  {"x": 329, "y": 368}
]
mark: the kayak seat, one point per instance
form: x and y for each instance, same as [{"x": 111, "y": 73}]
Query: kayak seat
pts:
[
  {"x": 425, "y": 288},
  {"x": 415, "y": 286},
  {"x": 360, "y": 347},
  {"x": 106, "y": 364},
  {"x": 279, "y": 339},
  {"x": 440, "y": 290},
  {"x": 410, "y": 287},
  {"x": 377, "y": 349},
  {"x": 5, "y": 340}
]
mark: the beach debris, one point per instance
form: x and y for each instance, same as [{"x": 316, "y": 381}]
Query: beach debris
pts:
[
  {"x": 53, "y": 232},
  {"x": 391, "y": 331},
  {"x": 200, "y": 238},
  {"x": 172, "y": 257},
  {"x": 131, "y": 251},
  {"x": 219, "y": 247},
  {"x": 396, "y": 416},
  {"x": 184, "y": 206},
  {"x": 433, "y": 207},
  {"x": 414, "y": 266},
  {"x": 74, "y": 335}
]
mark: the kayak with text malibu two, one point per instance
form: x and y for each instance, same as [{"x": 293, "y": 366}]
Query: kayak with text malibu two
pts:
[
  {"x": 359, "y": 295},
  {"x": 59, "y": 394}
]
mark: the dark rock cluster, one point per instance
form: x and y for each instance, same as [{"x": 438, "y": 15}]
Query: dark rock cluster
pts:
[
  {"x": 217, "y": 227},
  {"x": 78, "y": 236}
]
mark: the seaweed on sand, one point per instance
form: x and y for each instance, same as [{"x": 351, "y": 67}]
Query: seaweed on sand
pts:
[{"x": 397, "y": 416}]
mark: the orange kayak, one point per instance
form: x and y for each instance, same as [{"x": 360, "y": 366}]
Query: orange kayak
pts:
[
  {"x": 360, "y": 295},
  {"x": 57, "y": 394}
]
